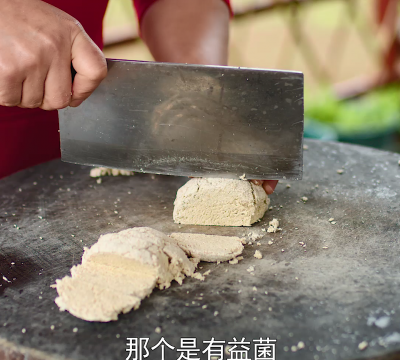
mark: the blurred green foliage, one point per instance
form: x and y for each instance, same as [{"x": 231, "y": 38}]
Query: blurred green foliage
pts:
[{"x": 376, "y": 112}]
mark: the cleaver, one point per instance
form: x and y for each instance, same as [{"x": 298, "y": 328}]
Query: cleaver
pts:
[{"x": 190, "y": 120}]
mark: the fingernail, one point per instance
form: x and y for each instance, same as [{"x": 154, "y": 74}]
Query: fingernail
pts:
[
  {"x": 75, "y": 103},
  {"x": 273, "y": 184},
  {"x": 268, "y": 189}
]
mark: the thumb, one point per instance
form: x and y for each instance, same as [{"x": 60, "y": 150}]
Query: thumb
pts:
[{"x": 90, "y": 66}]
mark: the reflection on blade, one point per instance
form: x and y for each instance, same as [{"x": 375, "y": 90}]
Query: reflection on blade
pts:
[{"x": 190, "y": 120}]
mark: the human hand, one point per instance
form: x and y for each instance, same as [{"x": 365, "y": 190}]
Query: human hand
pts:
[
  {"x": 38, "y": 42},
  {"x": 268, "y": 185}
]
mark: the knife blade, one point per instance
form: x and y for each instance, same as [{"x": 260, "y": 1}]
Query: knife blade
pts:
[{"x": 190, "y": 120}]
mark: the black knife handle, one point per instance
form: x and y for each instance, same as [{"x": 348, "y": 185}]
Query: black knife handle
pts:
[{"x": 73, "y": 73}]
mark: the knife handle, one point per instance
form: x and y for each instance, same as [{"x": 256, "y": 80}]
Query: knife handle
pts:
[{"x": 73, "y": 73}]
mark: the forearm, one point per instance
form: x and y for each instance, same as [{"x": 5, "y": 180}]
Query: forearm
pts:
[{"x": 187, "y": 31}]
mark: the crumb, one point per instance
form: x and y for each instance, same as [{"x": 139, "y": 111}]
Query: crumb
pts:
[
  {"x": 331, "y": 219},
  {"x": 253, "y": 236},
  {"x": 204, "y": 307},
  {"x": 293, "y": 348},
  {"x": 363, "y": 345},
  {"x": 273, "y": 226},
  {"x": 240, "y": 258},
  {"x": 75, "y": 330},
  {"x": 198, "y": 276},
  {"x": 254, "y": 288},
  {"x": 207, "y": 273},
  {"x": 243, "y": 177},
  {"x": 325, "y": 247},
  {"x": 283, "y": 250},
  {"x": 333, "y": 222},
  {"x": 216, "y": 313},
  {"x": 102, "y": 171},
  {"x": 52, "y": 327},
  {"x": 233, "y": 261},
  {"x": 157, "y": 330},
  {"x": 288, "y": 186},
  {"x": 340, "y": 171},
  {"x": 23, "y": 330},
  {"x": 304, "y": 198},
  {"x": 258, "y": 254},
  {"x": 317, "y": 186},
  {"x": 305, "y": 147},
  {"x": 243, "y": 241},
  {"x": 270, "y": 242},
  {"x": 250, "y": 269},
  {"x": 258, "y": 244},
  {"x": 98, "y": 180}
]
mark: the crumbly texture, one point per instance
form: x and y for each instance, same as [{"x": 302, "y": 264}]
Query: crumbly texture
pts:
[
  {"x": 119, "y": 271},
  {"x": 273, "y": 226},
  {"x": 258, "y": 254},
  {"x": 223, "y": 202},
  {"x": 209, "y": 248},
  {"x": 102, "y": 171}
]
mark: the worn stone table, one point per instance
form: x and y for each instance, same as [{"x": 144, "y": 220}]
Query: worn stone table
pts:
[{"x": 339, "y": 289}]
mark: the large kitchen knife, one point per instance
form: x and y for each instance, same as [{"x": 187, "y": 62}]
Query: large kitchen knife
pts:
[{"x": 191, "y": 120}]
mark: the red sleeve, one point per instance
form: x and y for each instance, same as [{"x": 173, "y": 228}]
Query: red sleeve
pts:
[{"x": 141, "y": 7}]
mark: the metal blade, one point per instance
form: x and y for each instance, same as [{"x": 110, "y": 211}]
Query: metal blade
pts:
[{"x": 191, "y": 120}]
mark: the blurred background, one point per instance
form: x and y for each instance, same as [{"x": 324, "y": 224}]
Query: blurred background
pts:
[{"x": 349, "y": 51}]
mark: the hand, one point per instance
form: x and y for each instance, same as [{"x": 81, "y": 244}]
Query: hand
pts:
[
  {"x": 38, "y": 42},
  {"x": 268, "y": 185}
]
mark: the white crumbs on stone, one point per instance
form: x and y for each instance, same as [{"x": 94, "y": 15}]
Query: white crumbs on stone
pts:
[
  {"x": 273, "y": 226},
  {"x": 258, "y": 254},
  {"x": 102, "y": 171}
]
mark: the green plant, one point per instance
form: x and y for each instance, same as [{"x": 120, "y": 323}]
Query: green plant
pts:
[{"x": 375, "y": 112}]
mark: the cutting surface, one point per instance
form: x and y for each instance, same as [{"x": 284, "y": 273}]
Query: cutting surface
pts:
[{"x": 326, "y": 298}]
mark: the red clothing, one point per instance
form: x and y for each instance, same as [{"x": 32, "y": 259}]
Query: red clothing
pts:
[{"x": 30, "y": 136}]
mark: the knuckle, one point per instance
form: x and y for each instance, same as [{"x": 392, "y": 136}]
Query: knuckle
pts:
[
  {"x": 55, "y": 104},
  {"x": 8, "y": 73},
  {"x": 32, "y": 104},
  {"x": 46, "y": 106},
  {"x": 97, "y": 73},
  {"x": 30, "y": 62},
  {"x": 102, "y": 71},
  {"x": 75, "y": 25},
  {"x": 9, "y": 102},
  {"x": 51, "y": 43}
]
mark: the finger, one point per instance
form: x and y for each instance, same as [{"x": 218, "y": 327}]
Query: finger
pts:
[
  {"x": 269, "y": 186},
  {"x": 33, "y": 91},
  {"x": 10, "y": 88},
  {"x": 257, "y": 182},
  {"x": 57, "y": 86},
  {"x": 90, "y": 66}
]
